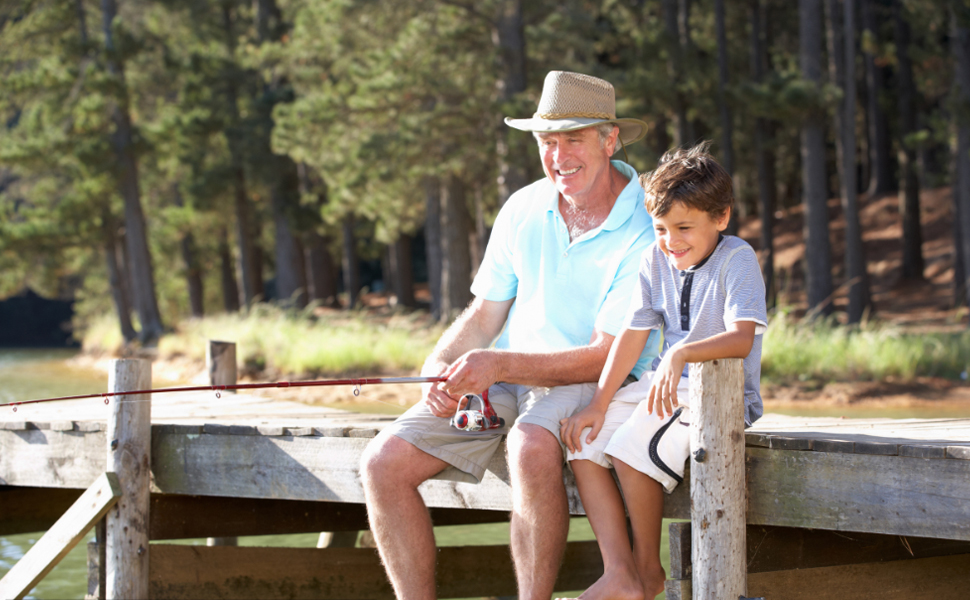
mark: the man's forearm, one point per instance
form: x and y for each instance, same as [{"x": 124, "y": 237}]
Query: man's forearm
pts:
[{"x": 549, "y": 369}]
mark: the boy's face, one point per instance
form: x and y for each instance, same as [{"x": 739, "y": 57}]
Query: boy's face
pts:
[{"x": 687, "y": 236}]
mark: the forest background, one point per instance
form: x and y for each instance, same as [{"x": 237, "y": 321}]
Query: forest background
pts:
[{"x": 166, "y": 161}]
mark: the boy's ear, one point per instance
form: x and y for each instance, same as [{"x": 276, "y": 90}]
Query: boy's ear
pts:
[{"x": 724, "y": 219}]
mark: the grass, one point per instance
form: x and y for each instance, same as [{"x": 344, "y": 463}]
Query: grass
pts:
[
  {"x": 274, "y": 341},
  {"x": 799, "y": 351}
]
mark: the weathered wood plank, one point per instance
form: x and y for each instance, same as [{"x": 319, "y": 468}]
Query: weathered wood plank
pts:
[
  {"x": 348, "y": 573},
  {"x": 717, "y": 486},
  {"x": 287, "y": 468},
  {"x": 129, "y": 454},
  {"x": 939, "y": 578},
  {"x": 853, "y": 492},
  {"x": 26, "y": 510},
  {"x": 61, "y": 538},
  {"x": 784, "y": 548},
  {"x": 179, "y": 517}
]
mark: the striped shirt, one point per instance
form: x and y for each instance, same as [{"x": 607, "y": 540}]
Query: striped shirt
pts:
[{"x": 725, "y": 288}]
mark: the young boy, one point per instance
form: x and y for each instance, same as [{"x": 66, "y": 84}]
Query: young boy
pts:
[{"x": 705, "y": 290}]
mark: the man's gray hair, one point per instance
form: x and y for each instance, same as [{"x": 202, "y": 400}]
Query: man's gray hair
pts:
[{"x": 603, "y": 129}]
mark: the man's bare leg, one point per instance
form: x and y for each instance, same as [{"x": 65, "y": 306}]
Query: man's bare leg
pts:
[
  {"x": 540, "y": 512},
  {"x": 604, "y": 509},
  {"x": 391, "y": 471},
  {"x": 645, "y": 503}
]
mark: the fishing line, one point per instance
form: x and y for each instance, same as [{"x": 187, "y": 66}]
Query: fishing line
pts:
[{"x": 357, "y": 383}]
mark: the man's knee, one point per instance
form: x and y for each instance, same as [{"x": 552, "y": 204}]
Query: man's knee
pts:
[
  {"x": 533, "y": 448},
  {"x": 389, "y": 461},
  {"x": 378, "y": 464}
]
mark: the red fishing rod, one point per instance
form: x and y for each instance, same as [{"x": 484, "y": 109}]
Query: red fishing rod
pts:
[
  {"x": 240, "y": 386},
  {"x": 465, "y": 420}
]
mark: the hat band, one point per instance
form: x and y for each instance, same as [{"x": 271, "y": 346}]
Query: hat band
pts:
[{"x": 557, "y": 116}]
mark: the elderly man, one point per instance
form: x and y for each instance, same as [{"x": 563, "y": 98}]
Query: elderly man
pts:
[{"x": 558, "y": 274}]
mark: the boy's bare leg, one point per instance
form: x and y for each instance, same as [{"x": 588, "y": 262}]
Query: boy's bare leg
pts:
[
  {"x": 540, "y": 511},
  {"x": 604, "y": 509},
  {"x": 391, "y": 471},
  {"x": 645, "y": 503}
]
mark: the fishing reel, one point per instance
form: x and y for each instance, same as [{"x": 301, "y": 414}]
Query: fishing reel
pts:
[{"x": 476, "y": 420}]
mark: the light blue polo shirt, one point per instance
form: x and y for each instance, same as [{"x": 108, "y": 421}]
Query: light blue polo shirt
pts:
[{"x": 564, "y": 290}]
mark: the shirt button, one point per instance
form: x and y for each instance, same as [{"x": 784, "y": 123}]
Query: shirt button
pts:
[{"x": 565, "y": 254}]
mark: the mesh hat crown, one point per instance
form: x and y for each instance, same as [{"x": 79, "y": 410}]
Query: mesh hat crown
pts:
[{"x": 573, "y": 101}]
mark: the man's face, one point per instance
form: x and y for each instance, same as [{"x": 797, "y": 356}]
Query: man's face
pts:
[{"x": 577, "y": 162}]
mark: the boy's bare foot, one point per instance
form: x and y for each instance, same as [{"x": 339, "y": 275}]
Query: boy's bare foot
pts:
[
  {"x": 616, "y": 586},
  {"x": 653, "y": 582}
]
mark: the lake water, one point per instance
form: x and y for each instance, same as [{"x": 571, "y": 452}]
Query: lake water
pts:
[{"x": 30, "y": 374}]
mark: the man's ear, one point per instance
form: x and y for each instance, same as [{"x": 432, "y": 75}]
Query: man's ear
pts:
[{"x": 724, "y": 219}]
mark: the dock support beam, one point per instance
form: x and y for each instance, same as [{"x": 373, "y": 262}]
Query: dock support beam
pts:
[
  {"x": 129, "y": 455},
  {"x": 717, "y": 491},
  {"x": 220, "y": 362}
]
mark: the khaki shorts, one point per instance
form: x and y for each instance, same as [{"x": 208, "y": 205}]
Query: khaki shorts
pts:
[{"x": 469, "y": 452}]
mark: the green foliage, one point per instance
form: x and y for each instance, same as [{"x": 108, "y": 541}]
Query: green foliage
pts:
[
  {"x": 822, "y": 351},
  {"x": 296, "y": 342}
]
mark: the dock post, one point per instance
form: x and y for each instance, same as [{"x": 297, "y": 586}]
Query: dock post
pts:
[
  {"x": 717, "y": 490},
  {"x": 129, "y": 455},
  {"x": 220, "y": 361}
]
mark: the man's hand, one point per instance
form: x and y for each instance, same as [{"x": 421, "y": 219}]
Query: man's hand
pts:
[
  {"x": 473, "y": 373},
  {"x": 662, "y": 397},
  {"x": 439, "y": 402},
  {"x": 572, "y": 428}
]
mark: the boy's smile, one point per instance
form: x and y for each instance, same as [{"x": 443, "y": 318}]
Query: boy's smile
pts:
[{"x": 687, "y": 236}]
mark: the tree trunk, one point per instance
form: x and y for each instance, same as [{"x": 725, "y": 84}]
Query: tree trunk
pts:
[
  {"x": 764, "y": 139},
  {"x": 909, "y": 178},
  {"x": 455, "y": 252},
  {"x": 880, "y": 151},
  {"x": 117, "y": 276},
  {"x": 727, "y": 127},
  {"x": 227, "y": 279},
  {"x": 252, "y": 284},
  {"x": 351, "y": 266},
  {"x": 193, "y": 272},
  {"x": 401, "y": 274},
  {"x": 960, "y": 18},
  {"x": 817, "y": 251},
  {"x": 841, "y": 36},
  {"x": 322, "y": 273},
  {"x": 290, "y": 270},
  {"x": 136, "y": 234},
  {"x": 508, "y": 35},
  {"x": 672, "y": 11},
  {"x": 432, "y": 242}
]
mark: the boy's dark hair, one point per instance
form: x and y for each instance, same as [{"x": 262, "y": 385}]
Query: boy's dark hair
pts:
[{"x": 690, "y": 176}]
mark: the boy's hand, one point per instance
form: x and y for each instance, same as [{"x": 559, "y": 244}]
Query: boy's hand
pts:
[
  {"x": 662, "y": 397},
  {"x": 572, "y": 428}
]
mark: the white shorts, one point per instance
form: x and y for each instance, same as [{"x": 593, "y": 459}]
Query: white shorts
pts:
[{"x": 632, "y": 427}]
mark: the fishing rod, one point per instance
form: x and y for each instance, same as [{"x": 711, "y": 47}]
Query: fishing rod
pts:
[{"x": 356, "y": 382}]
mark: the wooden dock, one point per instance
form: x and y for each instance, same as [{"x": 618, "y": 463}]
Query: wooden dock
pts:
[{"x": 876, "y": 508}]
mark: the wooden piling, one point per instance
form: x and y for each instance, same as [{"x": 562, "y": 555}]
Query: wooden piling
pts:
[
  {"x": 129, "y": 455},
  {"x": 220, "y": 361},
  {"x": 717, "y": 492}
]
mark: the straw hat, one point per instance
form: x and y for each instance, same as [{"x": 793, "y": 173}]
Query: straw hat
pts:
[{"x": 573, "y": 101}]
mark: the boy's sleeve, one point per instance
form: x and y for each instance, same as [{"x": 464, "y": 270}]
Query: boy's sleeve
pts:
[
  {"x": 640, "y": 312},
  {"x": 496, "y": 279},
  {"x": 744, "y": 290}
]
